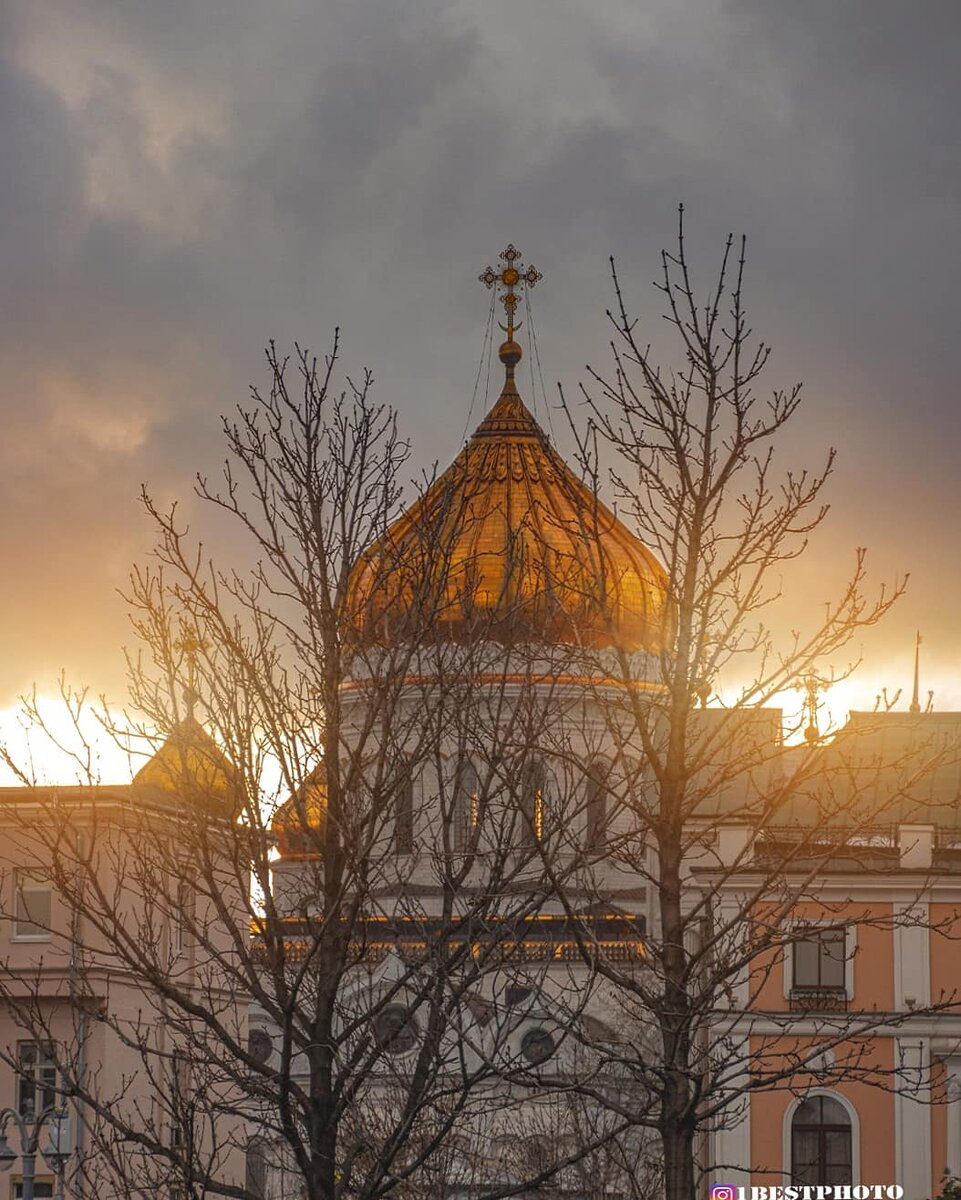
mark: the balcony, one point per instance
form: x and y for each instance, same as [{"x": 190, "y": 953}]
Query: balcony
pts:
[
  {"x": 538, "y": 938},
  {"x": 818, "y": 999}
]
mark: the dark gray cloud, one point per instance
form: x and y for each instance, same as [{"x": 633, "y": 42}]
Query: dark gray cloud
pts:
[{"x": 181, "y": 182}]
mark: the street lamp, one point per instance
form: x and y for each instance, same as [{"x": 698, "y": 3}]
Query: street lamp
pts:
[{"x": 54, "y": 1154}]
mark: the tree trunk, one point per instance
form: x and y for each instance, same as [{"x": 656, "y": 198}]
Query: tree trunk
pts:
[{"x": 678, "y": 1144}]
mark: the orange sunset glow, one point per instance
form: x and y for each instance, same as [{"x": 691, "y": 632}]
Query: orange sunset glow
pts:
[{"x": 162, "y": 221}]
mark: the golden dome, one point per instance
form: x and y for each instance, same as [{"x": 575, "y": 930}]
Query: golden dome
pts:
[
  {"x": 509, "y": 545},
  {"x": 191, "y": 766},
  {"x": 299, "y": 821}
]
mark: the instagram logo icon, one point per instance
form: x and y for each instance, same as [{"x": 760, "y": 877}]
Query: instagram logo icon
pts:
[{"x": 723, "y": 1191}]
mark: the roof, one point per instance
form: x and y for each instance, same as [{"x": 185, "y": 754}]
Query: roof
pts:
[
  {"x": 510, "y": 545},
  {"x": 298, "y": 822},
  {"x": 191, "y": 766}
]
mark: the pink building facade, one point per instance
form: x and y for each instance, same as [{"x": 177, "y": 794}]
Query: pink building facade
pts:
[
  {"x": 862, "y": 1003},
  {"x": 81, "y": 1028}
]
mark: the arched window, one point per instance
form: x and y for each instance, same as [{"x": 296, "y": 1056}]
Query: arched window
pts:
[
  {"x": 404, "y": 815},
  {"x": 260, "y": 1045},
  {"x": 821, "y": 1142},
  {"x": 532, "y": 778},
  {"x": 595, "y": 804},
  {"x": 467, "y": 804},
  {"x": 256, "y": 1169}
]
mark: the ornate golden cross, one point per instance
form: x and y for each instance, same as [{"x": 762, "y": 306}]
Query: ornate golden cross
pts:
[
  {"x": 189, "y": 644},
  {"x": 509, "y": 278},
  {"x": 811, "y": 685}
]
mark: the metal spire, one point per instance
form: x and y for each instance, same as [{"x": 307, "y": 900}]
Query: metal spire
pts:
[
  {"x": 811, "y": 686},
  {"x": 915, "y": 698},
  {"x": 189, "y": 644}
]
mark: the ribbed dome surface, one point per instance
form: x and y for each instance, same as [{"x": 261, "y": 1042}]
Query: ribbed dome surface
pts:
[
  {"x": 298, "y": 821},
  {"x": 509, "y": 545},
  {"x": 192, "y": 767}
]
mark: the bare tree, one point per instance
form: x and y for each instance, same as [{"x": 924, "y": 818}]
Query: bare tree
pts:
[
  {"x": 730, "y": 828},
  {"x": 469, "y": 881},
  {"x": 319, "y": 899}
]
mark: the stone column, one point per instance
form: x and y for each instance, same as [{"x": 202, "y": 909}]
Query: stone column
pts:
[
  {"x": 731, "y": 1146},
  {"x": 952, "y": 1114},
  {"x": 912, "y": 968},
  {"x": 912, "y": 1120}
]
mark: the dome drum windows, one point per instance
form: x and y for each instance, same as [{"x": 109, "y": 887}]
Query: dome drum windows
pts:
[
  {"x": 404, "y": 816},
  {"x": 533, "y": 780},
  {"x": 467, "y": 804},
  {"x": 596, "y": 815}
]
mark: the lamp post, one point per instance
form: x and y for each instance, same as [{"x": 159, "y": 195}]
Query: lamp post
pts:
[{"x": 54, "y": 1154}]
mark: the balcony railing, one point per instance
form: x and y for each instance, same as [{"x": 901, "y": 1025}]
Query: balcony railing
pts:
[
  {"x": 617, "y": 936},
  {"x": 841, "y": 836},
  {"x": 818, "y": 999}
]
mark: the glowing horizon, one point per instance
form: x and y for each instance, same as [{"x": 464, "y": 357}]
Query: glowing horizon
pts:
[
  {"x": 59, "y": 755},
  {"x": 49, "y": 763}
]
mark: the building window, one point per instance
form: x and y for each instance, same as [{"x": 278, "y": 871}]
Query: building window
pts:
[
  {"x": 260, "y": 1045},
  {"x": 404, "y": 817},
  {"x": 533, "y": 782},
  {"x": 595, "y": 807},
  {"x": 819, "y": 961},
  {"x": 33, "y": 905},
  {"x": 539, "y": 1153},
  {"x": 516, "y": 994},
  {"x": 395, "y": 1029},
  {"x": 537, "y": 1046},
  {"x": 256, "y": 1169},
  {"x": 821, "y": 1143},
  {"x": 36, "y": 1078},
  {"x": 182, "y": 916},
  {"x": 42, "y": 1189},
  {"x": 466, "y": 805},
  {"x": 181, "y": 1106}
]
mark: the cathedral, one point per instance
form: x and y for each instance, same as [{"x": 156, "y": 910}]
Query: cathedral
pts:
[
  {"x": 832, "y": 1050},
  {"x": 487, "y": 944}
]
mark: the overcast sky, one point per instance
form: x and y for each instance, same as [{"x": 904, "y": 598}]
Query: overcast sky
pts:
[{"x": 181, "y": 181}]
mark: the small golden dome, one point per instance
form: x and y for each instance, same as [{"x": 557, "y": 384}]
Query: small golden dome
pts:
[
  {"x": 509, "y": 545},
  {"x": 192, "y": 767},
  {"x": 299, "y": 821}
]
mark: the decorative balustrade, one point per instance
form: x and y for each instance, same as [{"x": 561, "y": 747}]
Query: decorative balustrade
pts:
[
  {"x": 543, "y": 938},
  {"x": 818, "y": 999}
]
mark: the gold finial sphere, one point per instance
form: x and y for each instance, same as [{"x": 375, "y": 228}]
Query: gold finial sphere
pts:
[
  {"x": 812, "y": 685},
  {"x": 510, "y": 353}
]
